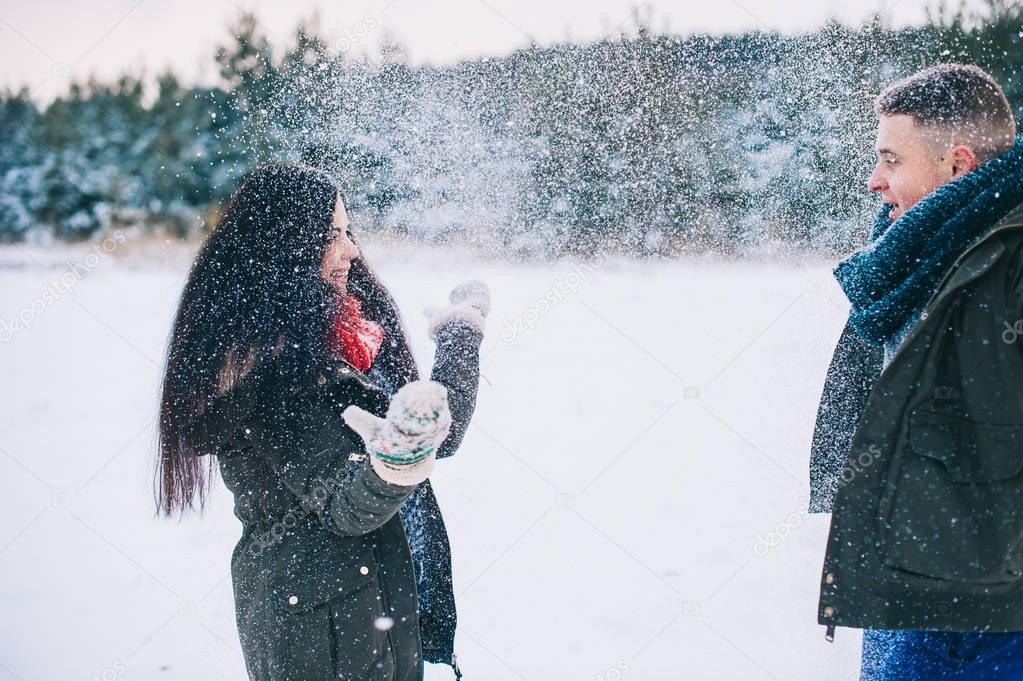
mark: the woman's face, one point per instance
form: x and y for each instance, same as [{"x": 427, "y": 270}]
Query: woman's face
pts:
[{"x": 341, "y": 250}]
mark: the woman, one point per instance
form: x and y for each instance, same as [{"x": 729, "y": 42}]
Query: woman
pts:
[{"x": 286, "y": 352}]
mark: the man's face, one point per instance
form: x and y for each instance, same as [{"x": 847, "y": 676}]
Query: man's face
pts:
[{"x": 910, "y": 163}]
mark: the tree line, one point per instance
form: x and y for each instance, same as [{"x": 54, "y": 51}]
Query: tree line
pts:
[{"x": 641, "y": 144}]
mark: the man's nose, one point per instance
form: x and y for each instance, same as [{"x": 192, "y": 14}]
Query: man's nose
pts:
[{"x": 876, "y": 183}]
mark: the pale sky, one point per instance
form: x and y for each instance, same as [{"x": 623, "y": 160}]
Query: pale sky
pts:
[{"x": 44, "y": 43}]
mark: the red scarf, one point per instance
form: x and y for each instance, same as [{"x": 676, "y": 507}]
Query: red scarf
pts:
[{"x": 355, "y": 338}]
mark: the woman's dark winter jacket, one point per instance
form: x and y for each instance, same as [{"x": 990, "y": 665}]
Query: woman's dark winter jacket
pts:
[
  {"x": 925, "y": 460},
  {"x": 325, "y": 583}
]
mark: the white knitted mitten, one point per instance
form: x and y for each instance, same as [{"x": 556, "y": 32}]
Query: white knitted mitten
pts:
[
  {"x": 403, "y": 446},
  {"x": 468, "y": 302}
]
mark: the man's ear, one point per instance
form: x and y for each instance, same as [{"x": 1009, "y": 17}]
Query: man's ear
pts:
[{"x": 963, "y": 160}]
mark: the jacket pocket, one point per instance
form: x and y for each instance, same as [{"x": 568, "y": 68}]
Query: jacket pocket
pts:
[
  {"x": 957, "y": 512},
  {"x": 325, "y": 621}
]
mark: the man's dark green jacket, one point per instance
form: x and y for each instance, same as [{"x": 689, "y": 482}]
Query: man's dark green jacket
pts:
[{"x": 927, "y": 521}]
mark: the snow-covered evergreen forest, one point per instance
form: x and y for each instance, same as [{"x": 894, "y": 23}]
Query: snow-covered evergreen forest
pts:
[{"x": 640, "y": 144}]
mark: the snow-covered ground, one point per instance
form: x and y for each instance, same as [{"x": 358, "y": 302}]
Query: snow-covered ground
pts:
[{"x": 629, "y": 503}]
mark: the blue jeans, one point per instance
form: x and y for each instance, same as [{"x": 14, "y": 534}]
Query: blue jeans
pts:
[{"x": 941, "y": 656}]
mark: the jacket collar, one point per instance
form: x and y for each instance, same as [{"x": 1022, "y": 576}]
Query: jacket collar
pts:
[
  {"x": 978, "y": 258},
  {"x": 344, "y": 371},
  {"x": 972, "y": 263},
  {"x": 1013, "y": 219}
]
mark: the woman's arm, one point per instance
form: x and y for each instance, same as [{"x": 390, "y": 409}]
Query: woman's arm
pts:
[
  {"x": 324, "y": 464},
  {"x": 458, "y": 332},
  {"x": 456, "y": 366}
]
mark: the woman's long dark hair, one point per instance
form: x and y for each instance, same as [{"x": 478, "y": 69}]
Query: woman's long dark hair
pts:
[{"x": 255, "y": 305}]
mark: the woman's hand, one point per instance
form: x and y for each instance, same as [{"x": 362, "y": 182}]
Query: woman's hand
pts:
[
  {"x": 403, "y": 446},
  {"x": 468, "y": 302}
]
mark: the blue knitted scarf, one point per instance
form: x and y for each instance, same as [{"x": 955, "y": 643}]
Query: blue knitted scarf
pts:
[{"x": 895, "y": 274}]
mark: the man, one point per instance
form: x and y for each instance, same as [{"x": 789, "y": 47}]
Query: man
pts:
[{"x": 918, "y": 444}]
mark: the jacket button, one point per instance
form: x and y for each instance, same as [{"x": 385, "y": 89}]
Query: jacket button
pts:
[
  {"x": 829, "y": 578},
  {"x": 829, "y": 612},
  {"x": 924, "y": 316},
  {"x": 364, "y": 570},
  {"x": 345, "y": 370},
  {"x": 321, "y": 380},
  {"x": 293, "y": 600}
]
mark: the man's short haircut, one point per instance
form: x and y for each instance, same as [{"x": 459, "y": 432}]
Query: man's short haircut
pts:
[{"x": 961, "y": 99}]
